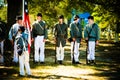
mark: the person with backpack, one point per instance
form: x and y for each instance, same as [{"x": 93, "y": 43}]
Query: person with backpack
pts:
[
  {"x": 91, "y": 35},
  {"x": 13, "y": 33},
  {"x": 22, "y": 50},
  {"x": 76, "y": 36}
]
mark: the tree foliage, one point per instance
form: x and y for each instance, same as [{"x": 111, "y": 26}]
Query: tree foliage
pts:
[{"x": 105, "y": 11}]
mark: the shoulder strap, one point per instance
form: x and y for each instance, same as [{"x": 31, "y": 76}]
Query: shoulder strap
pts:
[
  {"x": 76, "y": 27},
  {"x": 40, "y": 26},
  {"x": 60, "y": 28},
  {"x": 91, "y": 29},
  {"x": 23, "y": 43}
]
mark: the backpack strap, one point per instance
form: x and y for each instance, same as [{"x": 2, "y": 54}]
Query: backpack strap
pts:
[
  {"x": 23, "y": 44},
  {"x": 91, "y": 30}
]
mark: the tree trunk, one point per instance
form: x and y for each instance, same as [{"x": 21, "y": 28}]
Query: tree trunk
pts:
[{"x": 14, "y": 9}]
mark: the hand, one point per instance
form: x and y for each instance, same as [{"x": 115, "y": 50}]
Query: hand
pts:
[
  {"x": 74, "y": 39},
  {"x": 97, "y": 42},
  {"x": 80, "y": 40},
  {"x": 32, "y": 40},
  {"x": 44, "y": 40},
  {"x": 86, "y": 39},
  {"x": 66, "y": 40},
  {"x": 12, "y": 42}
]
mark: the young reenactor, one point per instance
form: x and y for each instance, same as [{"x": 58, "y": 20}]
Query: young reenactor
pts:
[
  {"x": 22, "y": 50},
  {"x": 76, "y": 35},
  {"x": 91, "y": 35},
  {"x": 13, "y": 33},
  {"x": 39, "y": 35},
  {"x": 60, "y": 38}
]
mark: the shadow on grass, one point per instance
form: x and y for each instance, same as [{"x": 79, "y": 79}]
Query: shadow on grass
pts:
[
  {"x": 7, "y": 73},
  {"x": 112, "y": 73},
  {"x": 56, "y": 77},
  {"x": 109, "y": 58}
]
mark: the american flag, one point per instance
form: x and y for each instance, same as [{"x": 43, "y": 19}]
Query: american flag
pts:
[{"x": 27, "y": 22}]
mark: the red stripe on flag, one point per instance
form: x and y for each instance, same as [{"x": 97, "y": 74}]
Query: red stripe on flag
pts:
[{"x": 27, "y": 24}]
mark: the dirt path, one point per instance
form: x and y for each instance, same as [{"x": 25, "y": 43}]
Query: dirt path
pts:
[{"x": 107, "y": 68}]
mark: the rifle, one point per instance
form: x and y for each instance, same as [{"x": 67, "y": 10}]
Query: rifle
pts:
[
  {"x": 86, "y": 52},
  {"x": 73, "y": 60},
  {"x": 55, "y": 53}
]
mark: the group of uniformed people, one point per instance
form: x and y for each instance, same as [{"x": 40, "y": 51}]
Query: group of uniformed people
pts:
[{"x": 39, "y": 36}]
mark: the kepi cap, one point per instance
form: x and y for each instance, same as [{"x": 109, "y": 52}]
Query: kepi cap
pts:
[
  {"x": 39, "y": 14},
  {"x": 61, "y": 17},
  {"x": 18, "y": 17},
  {"x": 76, "y": 17}
]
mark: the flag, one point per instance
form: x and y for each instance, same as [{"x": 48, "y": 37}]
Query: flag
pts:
[{"x": 27, "y": 22}]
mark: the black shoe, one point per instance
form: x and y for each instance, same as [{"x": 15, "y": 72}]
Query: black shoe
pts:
[
  {"x": 89, "y": 62},
  {"x": 60, "y": 62},
  {"x": 21, "y": 75},
  {"x": 42, "y": 62},
  {"x": 36, "y": 62},
  {"x": 93, "y": 62},
  {"x": 77, "y": 63},
  {"x": 29, "y": 75},
  {"x": 73, "y": 62}
]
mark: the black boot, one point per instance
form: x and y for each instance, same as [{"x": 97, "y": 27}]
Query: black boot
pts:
[
  {"x": 93, "y": 62},
  {"x": 89, "y": 62},
  {"x": 60, "y": 62}
]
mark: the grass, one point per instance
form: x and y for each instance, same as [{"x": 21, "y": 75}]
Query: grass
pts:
[{"x": 107, "y": 68}]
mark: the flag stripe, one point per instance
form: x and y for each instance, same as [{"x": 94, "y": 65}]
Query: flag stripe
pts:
[{"x": 27, "y": 23}]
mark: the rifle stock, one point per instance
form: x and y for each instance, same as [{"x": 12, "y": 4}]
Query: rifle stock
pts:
[
  {"x": 55, "y": 53},
  {"x": 73, "y": 60},
  {"x": 86, "y": 52}
]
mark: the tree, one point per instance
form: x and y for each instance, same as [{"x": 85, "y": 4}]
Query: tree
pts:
[{"x": 14, "y": 9}]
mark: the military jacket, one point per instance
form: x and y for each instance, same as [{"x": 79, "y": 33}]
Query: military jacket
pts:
[
  {"x": 13, "y": 31},
  {"x": 22, "y": 40},
  {"x": 39, "y": 28},
  {"x": 61, "y": 34},
  {"x": 92, "y": 32},
  {"x": 76, "y": 31}
]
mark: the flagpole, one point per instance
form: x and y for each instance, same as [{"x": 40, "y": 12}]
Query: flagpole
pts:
[{"x": 23, "y": 2}]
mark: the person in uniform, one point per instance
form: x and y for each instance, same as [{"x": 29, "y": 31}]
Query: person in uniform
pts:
[
  {"x": 22, "y": 50},
  {"x": 13, "y": 33},
  {"x": 91, "y": 35},
  {"x": 2, "y": 39},
  {"x": 39, "y": 36},
  {"x": 76, "y": 35},
  {"x": 60, "y": 38}
]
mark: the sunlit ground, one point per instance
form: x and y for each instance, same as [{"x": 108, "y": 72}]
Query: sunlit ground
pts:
[{"x": 107, "y": 67}]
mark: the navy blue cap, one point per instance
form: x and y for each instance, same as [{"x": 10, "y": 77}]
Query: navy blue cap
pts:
[
  {"x": 61, "y": 17},
  {"x": 76, "y": 17},
  {"x": 39, "y": 14},
  {"x": 18, "y": 17}
]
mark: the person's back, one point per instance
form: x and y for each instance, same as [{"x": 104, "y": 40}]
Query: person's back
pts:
[{"x": 23, "y": 53}]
